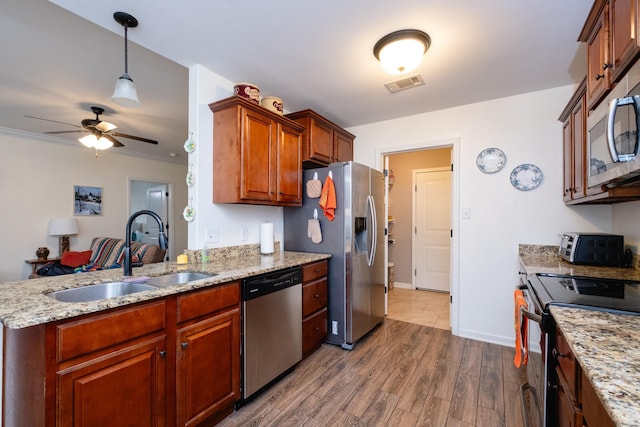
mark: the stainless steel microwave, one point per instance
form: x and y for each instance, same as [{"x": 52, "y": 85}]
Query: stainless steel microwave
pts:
[{"x": 613, "y": 146}]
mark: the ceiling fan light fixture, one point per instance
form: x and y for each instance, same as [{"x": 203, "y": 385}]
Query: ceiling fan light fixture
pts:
[
  {"x": 125, "y": 93},
  {"x": 96, "y": 142},
  {"x": 401, "y": 51}
]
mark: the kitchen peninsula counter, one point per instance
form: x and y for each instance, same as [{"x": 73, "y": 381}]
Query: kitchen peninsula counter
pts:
[
  {"x": 24, "y": 303},
  {"x": 605, "y": 344}
]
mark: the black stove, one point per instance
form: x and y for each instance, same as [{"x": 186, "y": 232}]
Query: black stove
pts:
[{"x": 612, "y": 295}]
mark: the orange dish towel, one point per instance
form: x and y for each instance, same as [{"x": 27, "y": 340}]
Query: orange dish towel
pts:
[
  {"x": 522, "y": 333},
  {"x": 328, "y": 198}
]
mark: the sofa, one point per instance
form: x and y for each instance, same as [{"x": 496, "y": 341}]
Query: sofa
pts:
[{"x": 105, "y": 253}]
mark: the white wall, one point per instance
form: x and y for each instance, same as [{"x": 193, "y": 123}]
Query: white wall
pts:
[
  {"x": 37, "y": 175},
  {"x": 626, "y": 221},
  {"x": 206, "y": 87},
  {"x": 525, "y": 127}
]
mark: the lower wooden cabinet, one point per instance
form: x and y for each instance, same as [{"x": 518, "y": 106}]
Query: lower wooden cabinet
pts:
[
  {"x": 208, "y": 368},
  {"x": 173, "y": 361},
  {"x": 125, "y": 387},
  {"x": 314, "y": 306}
]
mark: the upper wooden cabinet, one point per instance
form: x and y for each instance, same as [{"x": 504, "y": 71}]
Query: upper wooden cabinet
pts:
[
  {"x": 257, "y": 157},
  {"x": 612, "y": 45},
  {"x": 573, "y": 120},
  {"x": 323, "y": 142}
]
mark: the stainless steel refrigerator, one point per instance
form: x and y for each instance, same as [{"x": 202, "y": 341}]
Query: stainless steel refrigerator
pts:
[{"x": 355, "y": 240}]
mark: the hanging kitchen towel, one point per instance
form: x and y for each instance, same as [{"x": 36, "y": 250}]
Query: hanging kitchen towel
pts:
[
  {"x": 314, "y": 187},
  {"x": 313, "y": 230},
  {"x": 328, "y": 198},
  {"x": 522, "y": 326}
]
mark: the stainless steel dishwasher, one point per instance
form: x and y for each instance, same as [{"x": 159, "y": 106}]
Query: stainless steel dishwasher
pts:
[{"x": 272, "y": 327}]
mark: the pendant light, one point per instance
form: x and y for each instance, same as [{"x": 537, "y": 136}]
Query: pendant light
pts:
[
  {"x": 401, "y": 51},
  {"x": 125, "y": 93}
]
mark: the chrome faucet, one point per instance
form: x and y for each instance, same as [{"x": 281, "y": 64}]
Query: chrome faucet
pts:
[{"x": 162, "y": 238}]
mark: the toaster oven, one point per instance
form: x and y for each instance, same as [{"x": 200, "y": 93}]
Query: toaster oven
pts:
[{"x": 593, "y": 249}]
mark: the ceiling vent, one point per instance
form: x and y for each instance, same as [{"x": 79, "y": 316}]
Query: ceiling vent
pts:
[{"x": 405, "y": 83}]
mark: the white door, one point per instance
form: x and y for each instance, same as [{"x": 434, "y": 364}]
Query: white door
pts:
[
  {"x": 155, "y": 197},
  {"x": 156, "y": 202},
  {"x": 432, "y": 229},
  {"x": 386, "y": 235}
]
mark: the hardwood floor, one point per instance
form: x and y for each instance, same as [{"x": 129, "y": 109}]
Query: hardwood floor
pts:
[
  {"x": 401, "y": 374},
  {"x": 426, "y": 308}
]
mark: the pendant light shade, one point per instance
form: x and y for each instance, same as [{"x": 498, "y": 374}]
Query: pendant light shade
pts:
[
  {"x": 125, "y": 93},
  {"x": 402, "y": 51}
]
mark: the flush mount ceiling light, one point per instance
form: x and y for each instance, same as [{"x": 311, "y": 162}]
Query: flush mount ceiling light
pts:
[
  {"x": 401, "y": 51},
  {"x": 125, "y": 93}
]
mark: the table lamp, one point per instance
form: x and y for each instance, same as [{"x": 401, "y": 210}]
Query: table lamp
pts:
[{"x": 63, "y": 227}]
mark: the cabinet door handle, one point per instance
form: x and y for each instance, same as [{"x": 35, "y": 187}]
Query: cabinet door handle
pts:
[
  {"x": 184, "y": 345},
  {"x": 605, "y": 66},
  {"x": 599, "y": 76},
  {"x": 163, "y": 354},
  {"x": 556, "y": 354},
  {"x": 317, "y": 328},
  {"x": 316, "y": 296}
]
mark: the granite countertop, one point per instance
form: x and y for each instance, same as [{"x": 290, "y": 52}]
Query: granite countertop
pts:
[
  {"x": 24, "y": 303},
  {"x": 605, "y": 344}
]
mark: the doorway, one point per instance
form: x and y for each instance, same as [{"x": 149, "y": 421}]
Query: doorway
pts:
[
  {"x": 156, "y": 197},
  {"x": 404, "y": 161}
]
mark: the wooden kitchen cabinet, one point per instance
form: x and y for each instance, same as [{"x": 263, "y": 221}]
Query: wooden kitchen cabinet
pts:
[
  {"x": 111, "y": 368},
  {"x": 323, "y": 142},
  {"x": 208, "y": 355},
  {"x": 568, "y": 396},
  {"x": 314, "y": 306},
  {"x": 257, "y": 157},
  {"x": 574, "y": 142},
  {"x": 610, "y": 32},
  {"x": 594, "y": 412}
]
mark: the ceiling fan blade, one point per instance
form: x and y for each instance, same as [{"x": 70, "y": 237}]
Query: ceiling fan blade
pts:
[
  {"x": 54, "y": 121},
  {"x": 105, "y": 126},
  {"x": 116, "y": 143},
  {"x": 65, "y": 131},
  {"x": 137, "y": 138}
]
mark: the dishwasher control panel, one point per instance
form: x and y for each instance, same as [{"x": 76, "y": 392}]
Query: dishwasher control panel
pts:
[{"x": 256, "y": 286}]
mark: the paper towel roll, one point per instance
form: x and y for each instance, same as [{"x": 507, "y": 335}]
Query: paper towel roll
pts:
[{"x": 266, "y": 238}]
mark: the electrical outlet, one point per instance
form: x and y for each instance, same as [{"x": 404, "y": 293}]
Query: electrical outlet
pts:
[
  {"x": 334, "y": 327},
  {"x": 244, "y": 233},
  {"x": 466, "y": 213},
  {"x": 213, "y": 235}
]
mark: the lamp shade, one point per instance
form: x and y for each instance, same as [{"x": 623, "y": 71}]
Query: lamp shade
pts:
[
  {"x": 63, "y": 227},
  {"x": 125, "y": 93},
  {"x": 401, "y": 51},
  {"x": 97, "y": 142}
]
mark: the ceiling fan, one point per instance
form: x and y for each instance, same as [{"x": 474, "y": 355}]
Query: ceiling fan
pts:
[{"x": 99, "y": 128}]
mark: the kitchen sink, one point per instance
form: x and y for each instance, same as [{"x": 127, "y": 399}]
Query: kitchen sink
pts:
[
  {"x": 99, "y": 291},
  {"x": 175, "y": 279}
]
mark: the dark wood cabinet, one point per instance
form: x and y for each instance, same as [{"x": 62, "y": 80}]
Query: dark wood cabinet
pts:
[
  {"x": 314, "y": 306},
  {"x": 124, "y": 387},
  {"x": 170, "y": 361},
  {"x": 208, "y": 355},
  {"x": 568, "y": 399},
  {"x": 323, "y": 142},
  {"x": 257, "y": 157},
  {"x": 610, "y": 32},
  {"x": 594, "y": 412},
  {"x": 574, "y": 141}
]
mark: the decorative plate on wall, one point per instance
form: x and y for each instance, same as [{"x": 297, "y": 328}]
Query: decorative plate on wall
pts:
[
  {"x": 491, "y": 160},
  {"x": 526, "y": 177}
]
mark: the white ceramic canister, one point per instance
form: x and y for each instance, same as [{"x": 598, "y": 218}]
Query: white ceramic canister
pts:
[{"x": 272, "y": 103}]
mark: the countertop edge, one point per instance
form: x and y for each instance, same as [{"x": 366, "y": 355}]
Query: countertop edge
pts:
[{"x": 24, "y": 303}]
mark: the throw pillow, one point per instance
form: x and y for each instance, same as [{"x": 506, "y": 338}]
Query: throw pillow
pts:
[{"x": 75, "y": 259}]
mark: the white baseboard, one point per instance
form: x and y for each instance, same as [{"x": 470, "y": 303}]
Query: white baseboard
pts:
[
  {"x": 494, "y": 339},
  {"x": 402, "y": 285}
]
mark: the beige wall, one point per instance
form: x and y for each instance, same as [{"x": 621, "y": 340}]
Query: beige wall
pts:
[
  {"x": 400, "y": 203},
  {"x": 37, "y": 176}
]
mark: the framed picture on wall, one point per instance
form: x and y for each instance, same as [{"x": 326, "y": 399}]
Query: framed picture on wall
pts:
[{"x": 87, "y": 201}]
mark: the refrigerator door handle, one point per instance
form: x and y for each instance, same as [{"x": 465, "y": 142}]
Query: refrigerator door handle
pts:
[{"x": 374, "y": 230}]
